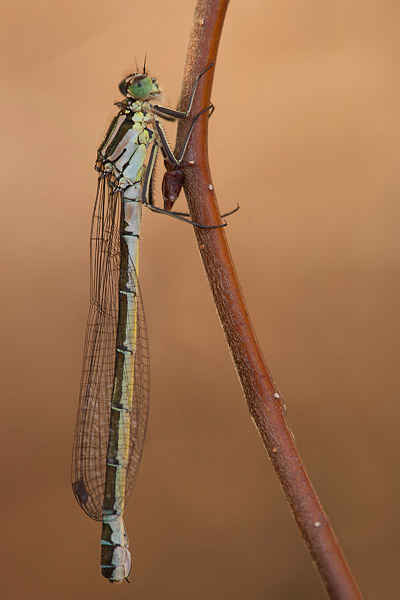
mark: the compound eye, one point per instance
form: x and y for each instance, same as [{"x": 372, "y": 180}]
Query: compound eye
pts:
[
  {"x": 123, "y": 86},
  {"x": 140, "y": 86}
]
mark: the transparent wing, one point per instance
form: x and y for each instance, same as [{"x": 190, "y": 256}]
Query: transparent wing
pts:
[{"x": 93, "y": 419}]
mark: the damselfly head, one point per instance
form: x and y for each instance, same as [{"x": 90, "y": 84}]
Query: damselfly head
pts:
[{"x": 139, "y": 86}]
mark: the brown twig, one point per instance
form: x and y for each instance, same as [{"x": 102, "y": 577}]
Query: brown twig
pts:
[{"x": 264, "y": 400}]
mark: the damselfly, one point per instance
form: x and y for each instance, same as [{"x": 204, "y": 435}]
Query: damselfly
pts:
[{"x": 114, "y": 394}]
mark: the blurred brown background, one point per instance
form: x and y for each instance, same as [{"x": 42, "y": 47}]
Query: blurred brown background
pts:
[{"x": 306, "y": 137}]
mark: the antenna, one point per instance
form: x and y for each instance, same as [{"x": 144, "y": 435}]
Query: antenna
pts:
[{"x": 144, "y": 64}]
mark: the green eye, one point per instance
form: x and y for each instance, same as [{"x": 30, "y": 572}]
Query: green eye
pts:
[{"x": 141, "y": 86}]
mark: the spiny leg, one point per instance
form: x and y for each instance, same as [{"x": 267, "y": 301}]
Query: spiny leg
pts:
[
  {"x": 146, "y": 196},
  {"x": 175, "y": 172},
  {"x": 211, "y": 108},
  {"x": 173, "y": 178},
  {"x": 179, "y": 114},
  {"x": 164, "y": 142},
  {"x": 228, "y": 214}
]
